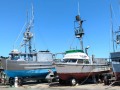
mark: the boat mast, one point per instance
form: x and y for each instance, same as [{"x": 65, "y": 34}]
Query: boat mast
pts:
[
  {"x": 112, "y": 28},
  {"x": 116, "y": 39},
  {"x": 79, "y": 32},
  {"x": 28, "y": 35}
]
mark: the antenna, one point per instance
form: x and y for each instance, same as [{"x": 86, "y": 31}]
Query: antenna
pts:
[
  {"x": 27, "y": 16},
  {"x": 78, "y": 9},
  {"x": 32, "y": 13}
]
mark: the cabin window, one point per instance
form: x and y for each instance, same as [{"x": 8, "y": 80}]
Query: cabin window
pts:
[
  {"x": 86, "y": 61},
  {"x": 15, "y": 57},
  {"x": 27, "y": 57},
  {"x": 116, "y": 60},
  {"x": 65, "y": 60},
  {"x": 70, "y": 60},
  {"x": 73, "y": 60},
  {"x": 80, "y": 61}
]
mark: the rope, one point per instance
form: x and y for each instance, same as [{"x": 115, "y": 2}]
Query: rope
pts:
[
  {"x": 114, "y": 15},
  {"x": 86, "y": 78},
  {"x": 111, "y": 84},
  {"x": 19, "y": 35},
  {"x": 21, "y": 44},
  {"x": 72, "y": 42}
]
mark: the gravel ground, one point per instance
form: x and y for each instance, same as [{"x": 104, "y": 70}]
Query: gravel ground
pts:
[{"x": 56, "y": 86}]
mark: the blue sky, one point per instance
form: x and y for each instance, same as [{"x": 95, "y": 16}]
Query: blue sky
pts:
[{"x": 54, "y": 24}]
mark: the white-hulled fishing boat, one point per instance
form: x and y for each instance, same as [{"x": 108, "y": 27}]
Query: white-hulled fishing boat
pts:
[{"x": 77, "y": 65}]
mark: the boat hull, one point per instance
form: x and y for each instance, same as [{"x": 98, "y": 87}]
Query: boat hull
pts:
[
  {"x": 116, "y": 70},
  {"x": 67, "y": 71},
  {"x": 27, "y": 68},
  {"x": 41, "y": 73}
]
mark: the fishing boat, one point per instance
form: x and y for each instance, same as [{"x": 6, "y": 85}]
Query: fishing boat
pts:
[
  {"x": 77, "y": 65},
  {"x": 114, "y": 76},
  {"x": 28, "y": 63},
  {"x": 115, "y": 58},
  {"x": 115, "y": 55}
]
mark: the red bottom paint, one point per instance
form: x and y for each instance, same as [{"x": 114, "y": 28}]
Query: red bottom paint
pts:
[
  {"x": 80, "y": 76},
  {"x": 117, "y": 75}
]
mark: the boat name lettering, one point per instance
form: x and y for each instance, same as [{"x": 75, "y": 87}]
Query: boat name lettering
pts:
[{"x": 83, "y": 56}]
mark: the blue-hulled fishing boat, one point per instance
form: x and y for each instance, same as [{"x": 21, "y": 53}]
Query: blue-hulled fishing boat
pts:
[{"x": 30, "y": 63}]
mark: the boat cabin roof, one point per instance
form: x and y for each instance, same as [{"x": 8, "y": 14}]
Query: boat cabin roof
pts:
[
  {"x": 115, "y": 55},
  {"x": 75, "y": 54},
  {"x": 23, "y": 54},
  {"x": 74, "y": 51}
]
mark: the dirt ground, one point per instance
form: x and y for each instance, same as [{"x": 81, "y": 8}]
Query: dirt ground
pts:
[{"x": 57, "y": 86}]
